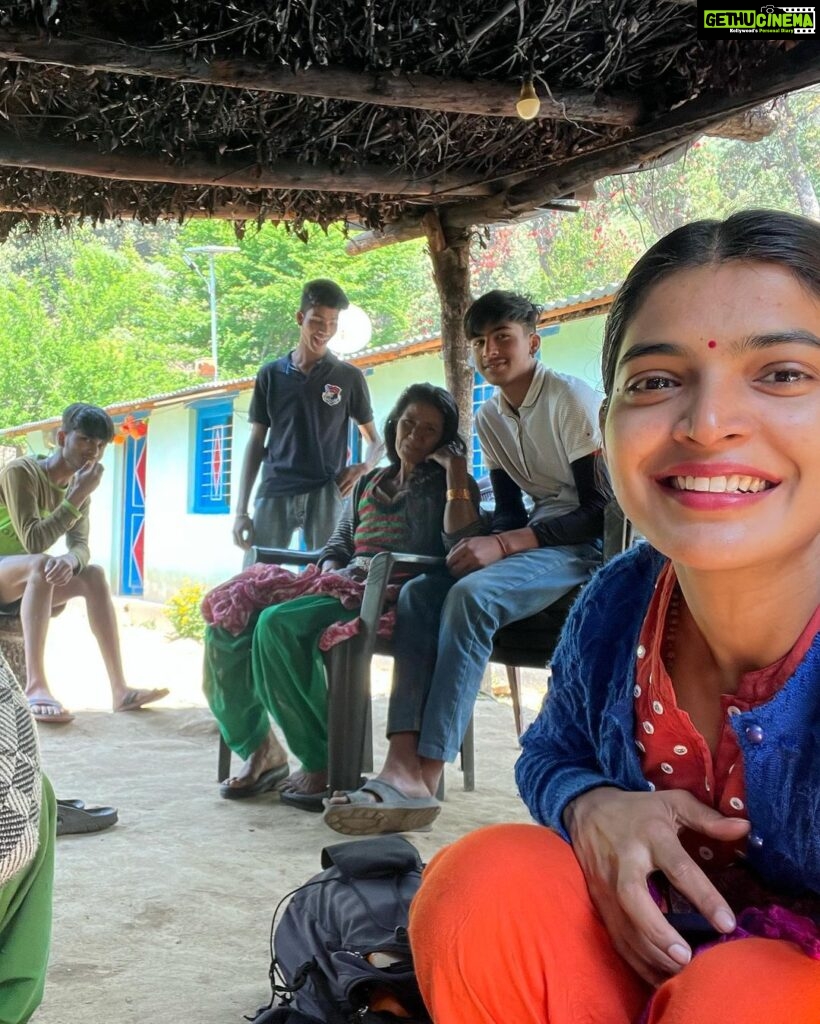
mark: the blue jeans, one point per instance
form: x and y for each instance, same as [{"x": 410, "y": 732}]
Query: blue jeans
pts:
[{"x": 444, "y": 636}]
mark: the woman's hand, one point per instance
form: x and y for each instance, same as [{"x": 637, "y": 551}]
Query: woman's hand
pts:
[
  {"x": 447, "y": 456},
  {"x": 620, "y": 839}
]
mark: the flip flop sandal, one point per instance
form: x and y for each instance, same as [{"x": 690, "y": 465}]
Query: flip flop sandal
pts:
[
  {"x": 313, "y": 802},
  {"x": 60, "y": 717},
  {"x": 72, "y": 820},
  {"x": 264, "y": 784},
  {"x": 136, "y": 699},
  {"x": 393, "y": 812}
]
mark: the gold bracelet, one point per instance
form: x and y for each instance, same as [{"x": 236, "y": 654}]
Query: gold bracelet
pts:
[{"x": 459, "y": 494}]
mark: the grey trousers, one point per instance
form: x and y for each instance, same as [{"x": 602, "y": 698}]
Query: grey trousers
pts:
[{"x": 315, "y": 514}]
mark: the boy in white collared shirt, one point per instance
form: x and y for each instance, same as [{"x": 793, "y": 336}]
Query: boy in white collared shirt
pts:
[{"x": 540, "y": 437}]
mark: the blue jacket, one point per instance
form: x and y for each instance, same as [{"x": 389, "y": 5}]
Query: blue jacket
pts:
[{"x": 584, "y": 735}]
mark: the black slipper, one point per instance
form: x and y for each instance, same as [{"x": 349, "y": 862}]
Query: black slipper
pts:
[
  {"x": 264, "y": 784},
  {"x": 305, "y": 801},
  {"x": 73, "y": 820},
  {"x": 314, "y": 802}
]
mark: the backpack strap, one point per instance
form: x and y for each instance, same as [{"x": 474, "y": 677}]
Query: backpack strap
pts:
[{"x": 378, "y": 857}]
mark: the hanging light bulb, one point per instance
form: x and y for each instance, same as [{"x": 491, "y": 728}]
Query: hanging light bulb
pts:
[{"x": 528, "y": 103}]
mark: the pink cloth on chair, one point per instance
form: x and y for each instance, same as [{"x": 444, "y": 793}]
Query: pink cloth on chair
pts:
[{"x": 232, "y": 604}]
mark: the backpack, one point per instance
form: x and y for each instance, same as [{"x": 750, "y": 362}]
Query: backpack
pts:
[{"x": 340, "y": 950}]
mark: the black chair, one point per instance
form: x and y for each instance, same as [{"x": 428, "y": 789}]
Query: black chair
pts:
[{"x": 528, "y": 643}]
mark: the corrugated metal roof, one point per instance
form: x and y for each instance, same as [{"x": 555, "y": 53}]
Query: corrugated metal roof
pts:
[{"x": 606, "y": 291}]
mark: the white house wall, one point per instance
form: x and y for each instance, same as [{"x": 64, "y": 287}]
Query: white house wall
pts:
[
  {"x": 576, "y": 349},
  {"x": 387, "y": 381},
  {"x": 181, "y": 545}
]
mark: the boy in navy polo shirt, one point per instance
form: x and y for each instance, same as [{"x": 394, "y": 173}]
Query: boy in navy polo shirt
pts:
[{"x": 300, "y": 412}]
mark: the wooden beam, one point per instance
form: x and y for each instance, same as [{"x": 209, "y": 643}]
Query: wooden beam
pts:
[
  {"x": 750, "y": 126},
  {"x": 104, "y": 210},
  {"x": 136, "y": 165},
  {"x": 796, "y": 70},
  {"x": 450, "y": 257},
  {"x": 422, "y": 92},
  {"x": 409, "y": 227},
  {"x": 400, "y": 231}
]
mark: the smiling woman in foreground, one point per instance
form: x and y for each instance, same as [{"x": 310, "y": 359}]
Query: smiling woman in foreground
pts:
[{"x": 676, "y": 760}]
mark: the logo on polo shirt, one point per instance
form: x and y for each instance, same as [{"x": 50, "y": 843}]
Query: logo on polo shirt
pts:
[{"x": 332, "y": 394}]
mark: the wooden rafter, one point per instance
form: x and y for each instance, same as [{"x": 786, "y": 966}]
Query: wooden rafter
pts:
[
  {"x": 410, "y": 227},
  {"x": 104, "y": 210},
  {"x": 130, "y": 165},
  {"x": 422, "y": 92}
]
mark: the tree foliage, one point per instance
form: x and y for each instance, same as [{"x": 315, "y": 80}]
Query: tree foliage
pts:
[{"x": 99, "y": 327}]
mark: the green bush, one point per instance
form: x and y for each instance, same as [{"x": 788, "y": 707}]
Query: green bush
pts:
[{"x": 183, "y": 611}]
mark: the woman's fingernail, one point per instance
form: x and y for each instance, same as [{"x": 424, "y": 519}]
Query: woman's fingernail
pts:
[
  {"x": 725, "y": 921},
  {"x": 680, "y": 954}
]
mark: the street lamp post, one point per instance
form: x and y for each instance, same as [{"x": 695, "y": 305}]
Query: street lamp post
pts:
[{"x": 211, "y": 251}]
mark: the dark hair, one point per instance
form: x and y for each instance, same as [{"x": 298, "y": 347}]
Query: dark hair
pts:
[
  {"x": 90, "y": 419},
  {"x": 497, "y": 306},
  {"x": 766, "y": 236},
  {"x": 431, "y": 395},
  {"x": 323, "y": 292}
]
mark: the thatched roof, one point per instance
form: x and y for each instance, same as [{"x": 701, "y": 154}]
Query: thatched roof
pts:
[{"x": 370, "y": 111}]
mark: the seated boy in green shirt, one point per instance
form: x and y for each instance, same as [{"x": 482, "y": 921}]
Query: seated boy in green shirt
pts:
[{"x": 42, "y": 500}]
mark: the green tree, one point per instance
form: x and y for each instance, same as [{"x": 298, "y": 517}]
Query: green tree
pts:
[{"x": 99, "y": 328}]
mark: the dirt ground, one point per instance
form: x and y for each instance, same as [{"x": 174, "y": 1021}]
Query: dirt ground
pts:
[{"x": 165, "y": 917}]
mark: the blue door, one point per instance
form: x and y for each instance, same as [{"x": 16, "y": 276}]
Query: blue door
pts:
[{"x": 133, "y": 533}]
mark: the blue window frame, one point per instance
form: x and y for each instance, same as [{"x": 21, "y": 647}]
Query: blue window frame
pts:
[
  {"x": 354, "y": 443},
  {"x": 213, "y": 453},
  {"x": 481, "y": 392}
]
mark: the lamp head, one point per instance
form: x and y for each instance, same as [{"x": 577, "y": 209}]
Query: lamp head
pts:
[
  {"x": 528, "y": 103},
  {"x": 353, "y": 333}
]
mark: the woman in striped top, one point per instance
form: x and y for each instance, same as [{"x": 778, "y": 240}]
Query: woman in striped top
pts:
[{"x": 422, "y": 503}]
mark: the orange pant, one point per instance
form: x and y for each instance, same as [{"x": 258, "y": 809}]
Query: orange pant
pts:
[{"x": 503, "y": 932}]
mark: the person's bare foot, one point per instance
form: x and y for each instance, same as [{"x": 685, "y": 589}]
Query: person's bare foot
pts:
[
  {"x": 268, "y": 755},
  {"x": 304, "y": 782}
]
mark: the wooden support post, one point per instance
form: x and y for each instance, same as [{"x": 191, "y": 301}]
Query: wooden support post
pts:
[{"x": 450, "y": 255}]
